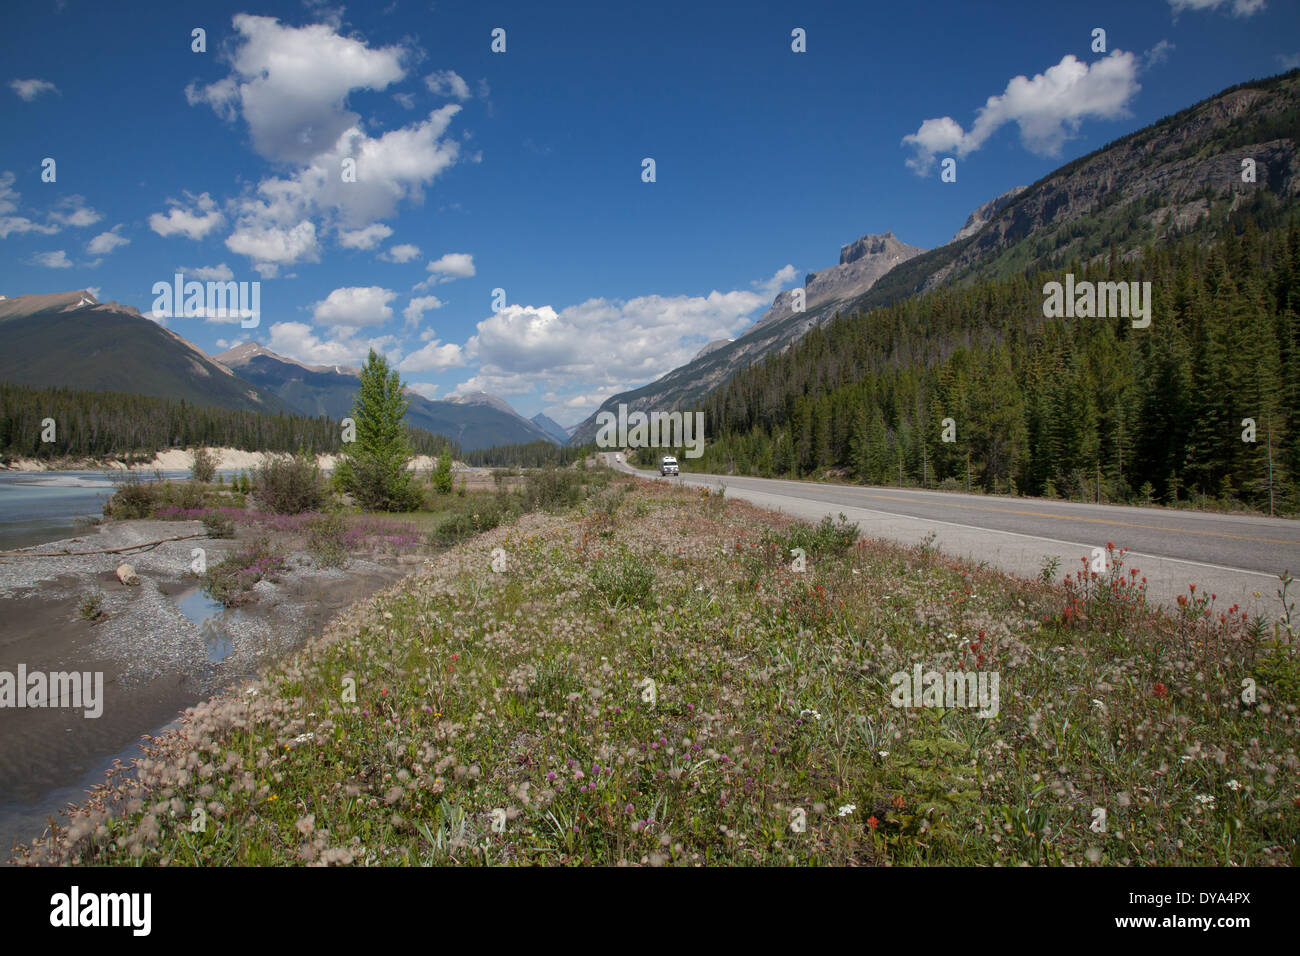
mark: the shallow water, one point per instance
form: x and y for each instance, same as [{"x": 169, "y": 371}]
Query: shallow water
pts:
[
  {"x": 39, "y": 506},
  {"x": 212, "y": 618},
  {"x": 21, "y": 822}
]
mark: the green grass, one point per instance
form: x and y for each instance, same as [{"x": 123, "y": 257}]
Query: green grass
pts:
[
  {"x": 91, "y": 606},
  {"x": 674, "y": 692}
]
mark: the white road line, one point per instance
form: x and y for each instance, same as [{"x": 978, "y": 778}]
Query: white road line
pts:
[{"x": 1017, "y": 534}]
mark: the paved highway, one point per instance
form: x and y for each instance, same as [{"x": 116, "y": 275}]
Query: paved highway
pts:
[{"x": 1236, "y": 557}]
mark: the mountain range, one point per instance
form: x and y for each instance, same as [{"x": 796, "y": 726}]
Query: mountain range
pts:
[
  {"x": 474, "y": 420},
  {"x": 72, "y": 340},
  {"x": 1147, "y": 187},
  {"x": 1150, "y": 186}
]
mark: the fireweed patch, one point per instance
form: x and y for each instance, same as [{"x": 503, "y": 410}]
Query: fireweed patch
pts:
[{"x": 536, "y": 715}]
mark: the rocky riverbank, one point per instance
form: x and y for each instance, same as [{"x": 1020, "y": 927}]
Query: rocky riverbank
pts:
[
  {"x": 160, "y": 644},
  {"x": 177, "y": 459}
]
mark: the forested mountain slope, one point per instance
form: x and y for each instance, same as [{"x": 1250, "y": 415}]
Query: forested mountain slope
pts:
[
  {"x": 1181, "y": 176},
  {"x": 1048, "y": 405}
]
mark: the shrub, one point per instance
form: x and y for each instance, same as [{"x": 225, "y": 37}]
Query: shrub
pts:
[
  {"x": 327, "y": 541},
  {"x": 827, "y": 538},
  {"x": 552, "y": 488},
  {"x": 621, "y": 580},
  {"x": 231, "y": 582},
  {"x": 463, "y": 524},
  {"x": 289, "y": 484},
  {"x": 177, "y": 494},
  {"x": 205, "y": 465},
  {"x": 134, "y": 498},
  {"x": 91, "y": 607},
  {"x": 442, "y": 476},
  {"x": 218, "y": 525}
]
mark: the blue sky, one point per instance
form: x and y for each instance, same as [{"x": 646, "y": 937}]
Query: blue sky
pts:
[{"x": 522, "y": 170}]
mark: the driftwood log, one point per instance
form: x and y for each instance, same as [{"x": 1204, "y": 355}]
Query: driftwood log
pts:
[{"x": 24, "y": 553}]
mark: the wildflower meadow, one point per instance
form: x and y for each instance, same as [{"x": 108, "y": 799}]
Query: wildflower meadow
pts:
[{"x": 662, "y": 676}]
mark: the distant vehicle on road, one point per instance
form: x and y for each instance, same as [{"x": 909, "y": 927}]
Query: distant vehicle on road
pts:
[{"x": 668, "y": 466}]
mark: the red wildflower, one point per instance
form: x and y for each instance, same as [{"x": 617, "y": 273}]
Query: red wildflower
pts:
[
  {"x": 873, "y": 822},
  {"x": 1160, "y": 690}
]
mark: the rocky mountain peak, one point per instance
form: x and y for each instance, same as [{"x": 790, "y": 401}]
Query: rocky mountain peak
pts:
[
  {"x": 862, "y": 262},
  {"x": 869, "y": 245},
  {"x": 484, "y": 398},
  {"x": 243, "y": 353},
  {"x": 978, "y": 219}
]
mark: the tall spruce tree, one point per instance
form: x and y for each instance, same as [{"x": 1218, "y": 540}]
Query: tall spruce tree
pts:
[{"x": 374, "y": 470}]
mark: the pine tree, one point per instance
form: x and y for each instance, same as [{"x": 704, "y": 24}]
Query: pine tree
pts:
[{"x": 375, "y": 473}]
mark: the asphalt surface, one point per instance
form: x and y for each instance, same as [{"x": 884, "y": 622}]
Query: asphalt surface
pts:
[{"x": 1238, "y": 558}]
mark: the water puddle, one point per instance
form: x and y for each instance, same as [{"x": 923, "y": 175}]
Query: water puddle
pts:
[
  {"x": 213, "y": 620},
  {"x": 22, "y": 822}
]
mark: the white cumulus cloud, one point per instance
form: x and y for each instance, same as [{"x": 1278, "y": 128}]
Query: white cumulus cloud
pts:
[
  {"x": 9, "y": 203},
  {"x": 416, "y": 308},
  {"x": 1238, "y": 8},
  {"x": 433, "y": 357},
  {"x": 193, "y": 219},
  {"x": 366, "y": 238},
  {"x": 452, "y": 266},
  {"x": 604, "y": 343},
  {"x": 106, "y": 242},
  {"x": 73, "y": 211},
  {"x": 217, "y": 273},
  {"x": 401, "y": 253},
  {"x": 355, "y": 306},
  {"x": 53, "y": 260},
  {"x": 28, "y": 90},
  {"x": 1049, "y": 109},
  {"x": 447, "y": 83},
  {"x": 272, "y": 245},
  {"x": 297, "y": 341},
  {"x": 290, "y": 84}
]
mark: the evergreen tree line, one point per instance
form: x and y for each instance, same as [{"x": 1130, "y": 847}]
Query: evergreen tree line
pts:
[
  {"x": 1078, "y": 407},
  {"x": 114, "y": 424},
  {"x": 534, "y": 454}
]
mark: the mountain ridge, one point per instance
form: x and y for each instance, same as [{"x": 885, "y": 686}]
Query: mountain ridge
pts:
[
  {"x": 1140, "y": 188},
  {"x": 71, "y": 340}
]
